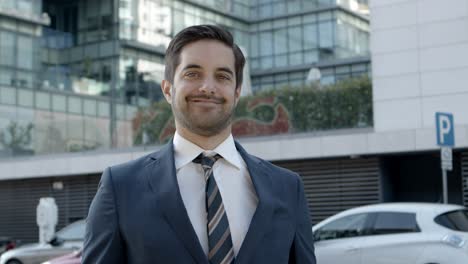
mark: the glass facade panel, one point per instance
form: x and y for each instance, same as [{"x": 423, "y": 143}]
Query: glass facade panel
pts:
[
  {"x": 266, "y": 43},
  {"x": 311, "y": 56},
  {"x": 25, "y": 79},
  {"x": 24, "y": 128},
  {"x": 7, "y": 76},
  {"x": 25, "y": 98},
  {"x": 266, "y": 63},
  {"x": 43, "y": 100},
  {"x": 74, "y": 105},
  {"x": 7, "y": 48},
  {"x": 295, "y": 39},
  {"x": 7, "y": 115},
  {"x": 120, "y": 111},
  {"x": 103, "y": 132},
  {"x": 280, "y": 41},
  {"x": 59, "y": 103},
  {"x": 310, "y": 36},
  {"x": 326, "y": 34},
  {"x": 25, "y": 58},
  {"x": 89, "y": 107},
  {"x": 83, "y": 52},
  {"x": 103, "y": 109},
  {"x": 296, "y": 58},
  {"x": 7, "y": 95},
  {"x": 75, "y": 133}
]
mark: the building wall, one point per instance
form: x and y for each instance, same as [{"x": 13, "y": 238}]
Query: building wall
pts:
[
  {"x": 19, "y": 200},
  {"x": 420, "y": 62},
  {"x": 331, "y": 185}
]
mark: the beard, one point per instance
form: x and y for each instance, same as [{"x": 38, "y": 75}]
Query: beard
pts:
[{"x": 202, "y": 121}]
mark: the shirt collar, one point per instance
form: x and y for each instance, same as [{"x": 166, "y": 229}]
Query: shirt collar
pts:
[{"x": 186, "y": 151}]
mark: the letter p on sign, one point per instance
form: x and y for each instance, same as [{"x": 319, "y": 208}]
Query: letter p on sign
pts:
[{"x": 445, "y": 129}]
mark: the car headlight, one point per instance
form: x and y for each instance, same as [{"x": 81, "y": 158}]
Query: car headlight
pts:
[{"x": 454, "y": 240}]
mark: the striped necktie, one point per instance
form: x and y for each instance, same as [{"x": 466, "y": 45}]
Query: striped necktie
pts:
[{"x": 219, "y": 234}]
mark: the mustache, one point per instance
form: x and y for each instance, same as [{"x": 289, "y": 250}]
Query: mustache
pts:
[{"x": 206, "y": 97}]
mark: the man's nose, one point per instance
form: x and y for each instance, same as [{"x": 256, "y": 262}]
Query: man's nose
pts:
[{"x": 208, "y": 86}]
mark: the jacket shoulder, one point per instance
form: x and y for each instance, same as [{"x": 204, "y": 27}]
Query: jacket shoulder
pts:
[{"x": 129, "y": 170}]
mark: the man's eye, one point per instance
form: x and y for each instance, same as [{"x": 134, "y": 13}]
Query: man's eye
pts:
[
  {"x": 224, "y": 77},
  {"x": 192, "y": 74}
]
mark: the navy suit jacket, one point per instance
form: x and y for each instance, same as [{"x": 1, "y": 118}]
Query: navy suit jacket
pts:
[{"x": 138, "y": 216}]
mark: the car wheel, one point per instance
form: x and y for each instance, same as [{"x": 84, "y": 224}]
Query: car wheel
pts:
[{"x": 14, "y": 261}]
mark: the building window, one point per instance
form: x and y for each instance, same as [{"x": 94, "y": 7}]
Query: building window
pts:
[{"x": 7, "y": 48}]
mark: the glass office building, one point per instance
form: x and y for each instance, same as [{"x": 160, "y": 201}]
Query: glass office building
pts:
[{"x": 74, "y": 74}]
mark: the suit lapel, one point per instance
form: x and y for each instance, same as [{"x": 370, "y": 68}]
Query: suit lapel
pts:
[
  {"x": 261, "y": 219},
  {"x": 163, "y": 181}
]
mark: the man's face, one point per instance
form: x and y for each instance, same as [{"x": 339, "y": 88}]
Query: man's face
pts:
[{"x": 203, "y": 95}]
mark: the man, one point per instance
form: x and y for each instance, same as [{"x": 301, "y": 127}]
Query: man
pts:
[{"x": 201, "y": 198}]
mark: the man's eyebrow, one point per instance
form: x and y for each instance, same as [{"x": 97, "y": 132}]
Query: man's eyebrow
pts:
[
  {"x": 227, "y": 70},
  {"x": 190, "y": 66}
]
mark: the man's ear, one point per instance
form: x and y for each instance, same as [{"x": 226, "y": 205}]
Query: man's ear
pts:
[
  {"x": 166, "y": 90},
  {"x": 237, "y": 93}
]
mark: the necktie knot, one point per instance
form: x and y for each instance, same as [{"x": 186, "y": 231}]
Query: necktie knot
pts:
[{"x": 207, "y": 162}]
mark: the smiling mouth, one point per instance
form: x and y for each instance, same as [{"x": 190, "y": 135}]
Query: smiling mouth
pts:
[{"x": 204, "y": 99}]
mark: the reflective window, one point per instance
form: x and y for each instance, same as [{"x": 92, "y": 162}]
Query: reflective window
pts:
[
  {"x": 25, "y": 57},
  {"x": 43, "y": 100},
  {"x": 25, "y": 98},
  {"x": 326, "y": 34},
  {"x": 310, "y": 36},
  {"x": 24, "y": 79},
  {"x": 266, "y": 43},
  {"x": 394, "y": 222},
  {"x": 295, "y": 39},
  {"x": 7, "y": 48},
  {"x": 347, "y": 226},
  {"x": 6, "y": 76},
  {"x": 7, "y": 4},
  {"x": 7, "y": 95},
  {"x": 74, "y": 105},
  {"x": 90, "y": 134},
  {"x": 103, "y": 109},
  {"x": 280, "y": 41},
  {"x": 59, "y": 103},
  {"x": 89, "y": 107},
  {"x": 455, "y": 220},
  {"x": 120, "y": 111}
]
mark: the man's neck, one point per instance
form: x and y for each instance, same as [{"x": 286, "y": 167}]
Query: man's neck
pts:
[{"x": 204, "y": 142}]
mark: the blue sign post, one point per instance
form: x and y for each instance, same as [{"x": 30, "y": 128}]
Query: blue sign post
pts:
[
  {"x": 446, "y": 140},
  {"x": 445, "y": 134}
]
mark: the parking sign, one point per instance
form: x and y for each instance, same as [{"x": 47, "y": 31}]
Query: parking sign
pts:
[{"x": 445, "y": 129}]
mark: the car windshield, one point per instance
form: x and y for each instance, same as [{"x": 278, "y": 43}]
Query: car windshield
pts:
[
  {"x": 455, "y": 220},
  {"x": 74, "y": 231}
]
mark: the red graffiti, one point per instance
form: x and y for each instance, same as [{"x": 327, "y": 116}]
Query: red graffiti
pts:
[{"x": 249, "y": 127}]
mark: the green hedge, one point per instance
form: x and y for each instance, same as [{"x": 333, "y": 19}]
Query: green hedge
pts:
[{"x": 347, "y": 104}]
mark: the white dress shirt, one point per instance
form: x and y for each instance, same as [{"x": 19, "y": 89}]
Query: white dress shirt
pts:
[{"x": 234, "y": 183}]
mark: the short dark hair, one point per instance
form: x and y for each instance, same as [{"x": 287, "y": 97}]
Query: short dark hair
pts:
[{"x": 200, "y": 32}]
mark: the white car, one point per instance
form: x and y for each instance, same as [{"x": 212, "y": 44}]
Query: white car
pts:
[
  {"x": 394, "y": 233},
  {"x": 65, "y": 241}
]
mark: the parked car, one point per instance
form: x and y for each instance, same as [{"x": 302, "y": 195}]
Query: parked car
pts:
[
  {"x": 72, "y": 258},
  {"x": 410, "y": 233},
  {"x": 6, "y": 243},
  {"x": 65, "y": 241}
]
